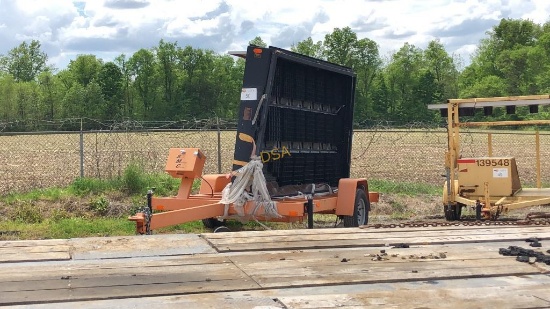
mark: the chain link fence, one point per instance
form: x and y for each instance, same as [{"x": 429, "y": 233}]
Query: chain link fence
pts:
[{"x": 413, "y": 153}]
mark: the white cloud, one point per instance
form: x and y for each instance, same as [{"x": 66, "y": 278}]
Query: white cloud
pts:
[{"x": 107, "y": 28}]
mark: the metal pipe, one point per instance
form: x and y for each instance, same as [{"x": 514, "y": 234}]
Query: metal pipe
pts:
[
  {"x": 537, "y": 150},
  {"x": 81, "y": 150},
  {"x": 219, "y": 146},
  {"x": 503, "y": 123},
  {"x": 454, "y": 148},
  {"x": 149, "y": 214},
  {"x": 309, "y": 213}
]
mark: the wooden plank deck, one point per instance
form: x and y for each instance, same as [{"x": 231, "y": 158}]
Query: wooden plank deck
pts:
[{"x": 443, "y": 267}]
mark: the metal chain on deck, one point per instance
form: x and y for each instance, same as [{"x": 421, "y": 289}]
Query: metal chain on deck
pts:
[{"x": 531, "y": 219}]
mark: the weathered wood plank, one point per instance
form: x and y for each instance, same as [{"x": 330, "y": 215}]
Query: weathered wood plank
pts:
[
  {"x": 211, "y": 300},
  {"x": 335, "y": 267},
  {"x": 36, "y": 271},
  {"x": 371, "y": 230},
  {"x": 517, "y": 292},
  {"x": 330, "y": 242},
  {"x": 110, "y": 292},
  {"x": 486, "y": 297},
  {"x": 184, "y": 271},
  {"x": 35, "y": 257},
  {"x": 368, "y": 256},
  {"x": 322, "y": 278},
  {"x": 77, "y": 280},
  {"x": 391, "y": 233},
  {"x": 34, "y": 249},
  {"x": 192, "y": 279},
  {"x": 36, "y": 253},
  {"x": 138, "y": 246},
  {"x": 33, "y": 243}
]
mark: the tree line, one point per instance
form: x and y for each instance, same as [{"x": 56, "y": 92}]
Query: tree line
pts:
[{"x": 171, "y": 82}]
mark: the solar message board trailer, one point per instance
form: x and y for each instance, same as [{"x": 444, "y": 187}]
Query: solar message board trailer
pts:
[{"x": 293, "y": 146}]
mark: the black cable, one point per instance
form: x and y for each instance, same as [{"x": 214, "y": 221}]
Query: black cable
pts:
[{"x": 211, "y": 189}]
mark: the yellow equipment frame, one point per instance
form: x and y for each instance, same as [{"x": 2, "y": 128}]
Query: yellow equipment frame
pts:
[{"x": 490, "y": 207}]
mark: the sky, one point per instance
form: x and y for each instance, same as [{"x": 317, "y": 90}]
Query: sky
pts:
[{"x": 108, "y": 28}]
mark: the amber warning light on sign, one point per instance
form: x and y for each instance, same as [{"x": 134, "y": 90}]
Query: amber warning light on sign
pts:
[{"x": 257, "y": 52}]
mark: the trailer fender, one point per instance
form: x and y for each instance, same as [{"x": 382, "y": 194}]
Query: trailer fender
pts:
[
  {"x": 347, "y": 188},
  {"x": 213, "y": 183}
]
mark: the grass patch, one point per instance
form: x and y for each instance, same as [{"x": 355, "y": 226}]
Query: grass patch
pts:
[
  {"x": 135, "y": 180},
  {"x": 99, "y": 207},
  {"x": 86, "y": 186},
  {"x": 403, "y": 188},
  {"x": 79, "y": 227},
  {"x": 189, "y": 227},
  {"x": 49, "y": 194},
  {"x": 66, "y": 228}
]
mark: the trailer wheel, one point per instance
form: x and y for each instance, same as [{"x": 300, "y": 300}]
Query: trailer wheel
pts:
[
  {"x": 453, "y": 212},
  {"x": 212, "y": 223},
  {"x": 222, "y": 229},
  {"x": 458, "y": 211},
  {"x": 360, "y": 210}
]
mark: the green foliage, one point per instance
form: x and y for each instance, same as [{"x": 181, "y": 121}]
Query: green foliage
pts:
[
  {"x": 512, "y": 60},
  {"x": 86, "y": 185},
  {"x": 110, "y": 81},
  {"x": 257, "y": 41},
  {"x": 138, "y": 203},
  {"x": 26, "y": 61},
  {"x": 99, "y": 205},
  {"x": 32, "y": 221},
  {"x": 134, "y": 179},
  {"x": 85, "y": 69},
  {"x": 170, "y": 82},
  {"x": 27, "y": 212},
  {"x": 404, "y": 188},
  {"x": 340, "y": 46},
  {"x": 189, "y": 227},
  {"x": 308, "y": 48},
  {"x": 58, "y": 214},
  {"x": 49, "y": 194},
  {"x": 80, "y": 227},
  {"x": 166, "y": 185},
  {"x": 145, "y": 69}
]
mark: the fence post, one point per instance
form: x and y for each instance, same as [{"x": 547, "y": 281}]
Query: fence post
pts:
[
  {"x": 81, "y": 150},
  {"x": 219, "y": 146}
]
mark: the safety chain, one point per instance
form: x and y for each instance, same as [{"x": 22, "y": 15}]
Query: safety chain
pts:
[
  {"x": 530, "y": 219},
  {"x": 147, "y": 214}
]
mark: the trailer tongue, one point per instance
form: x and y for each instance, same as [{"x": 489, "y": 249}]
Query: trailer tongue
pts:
[{"x": 292, "y": 152}]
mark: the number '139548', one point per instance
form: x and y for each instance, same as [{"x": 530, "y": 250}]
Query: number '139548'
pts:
[{"x": 493, "y": 162}]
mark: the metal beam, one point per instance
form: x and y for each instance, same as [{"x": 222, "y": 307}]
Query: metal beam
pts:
[
  {"x": 503, "y": 123},
  {"x": 495, "y": 102},
  {"x": 237, "y": 53}
]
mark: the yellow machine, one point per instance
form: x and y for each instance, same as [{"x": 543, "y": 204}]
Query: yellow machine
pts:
[{"x": 490, "y": 184}]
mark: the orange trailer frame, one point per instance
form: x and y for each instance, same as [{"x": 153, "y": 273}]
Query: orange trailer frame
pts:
[{"x": 188, "y": 163}]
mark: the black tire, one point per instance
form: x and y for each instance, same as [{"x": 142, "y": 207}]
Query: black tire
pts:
[
  {"x": 360, "y": 210},
  {"x": 453, "y": 212},
  {"x": 222, "y": 229},
  {"x": 212, "y": 223},
  {"x": 458, "y": 211}
]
